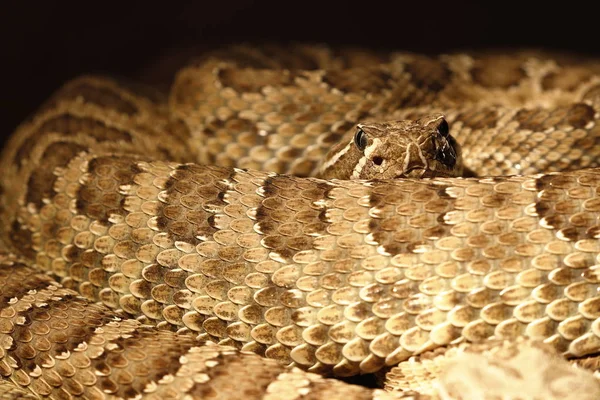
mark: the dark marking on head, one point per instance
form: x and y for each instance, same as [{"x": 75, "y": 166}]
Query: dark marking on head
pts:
[
  {"x": 443, "y": 128},
  {"x": 445, "y": 147}
]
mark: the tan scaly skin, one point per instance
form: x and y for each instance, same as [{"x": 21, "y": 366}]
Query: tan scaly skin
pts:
[{"x": 137, "y": 227}]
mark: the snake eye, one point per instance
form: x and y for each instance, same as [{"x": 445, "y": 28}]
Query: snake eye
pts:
[
  {"x": 360, "y": 139},
  {"x": 443, "y": 128}
]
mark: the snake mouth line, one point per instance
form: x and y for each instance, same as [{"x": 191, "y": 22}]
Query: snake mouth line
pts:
[{"x": 422, "y": 173}]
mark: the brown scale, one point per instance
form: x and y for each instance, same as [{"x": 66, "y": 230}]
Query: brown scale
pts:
[
  {"x": 58, "y": 343},
  {"x": 98, "y": 197}
]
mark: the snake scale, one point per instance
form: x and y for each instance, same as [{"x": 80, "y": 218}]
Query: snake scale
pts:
[{"x": 249, "y": 235}]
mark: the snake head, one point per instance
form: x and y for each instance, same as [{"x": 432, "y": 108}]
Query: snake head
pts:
[{"x": 420, "y": 148}]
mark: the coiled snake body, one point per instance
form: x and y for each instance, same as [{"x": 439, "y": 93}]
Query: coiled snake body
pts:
[{"x": 286, "y": 213}]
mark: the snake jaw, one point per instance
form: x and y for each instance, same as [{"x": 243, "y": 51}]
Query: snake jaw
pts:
[
  {"x": 420, "y": 173},
  {"x": 416, "y": 172}
]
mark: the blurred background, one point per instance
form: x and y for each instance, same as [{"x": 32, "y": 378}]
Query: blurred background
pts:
[{"x": 47, "y": 43}]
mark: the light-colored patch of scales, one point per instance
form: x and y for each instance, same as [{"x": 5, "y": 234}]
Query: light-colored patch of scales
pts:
[{"x": 515, "y": 369}]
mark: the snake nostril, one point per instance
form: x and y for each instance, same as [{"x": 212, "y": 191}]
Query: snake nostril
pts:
[{"x": 377, "y": 160}]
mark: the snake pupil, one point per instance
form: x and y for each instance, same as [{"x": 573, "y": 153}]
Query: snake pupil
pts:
[
  {"x": 360, "y": 139},
  {"x": 443, "y": 128}
]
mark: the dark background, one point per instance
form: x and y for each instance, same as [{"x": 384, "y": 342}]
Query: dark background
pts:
[{"x": 46, "y": 43}]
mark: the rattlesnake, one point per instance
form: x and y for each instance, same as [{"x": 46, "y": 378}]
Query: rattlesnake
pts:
[{"x": 172, "y": 223}]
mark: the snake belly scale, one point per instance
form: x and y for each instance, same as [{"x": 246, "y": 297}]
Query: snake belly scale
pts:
[{"x": 235, "y": 237}]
